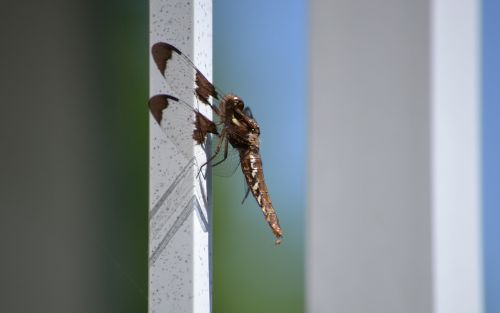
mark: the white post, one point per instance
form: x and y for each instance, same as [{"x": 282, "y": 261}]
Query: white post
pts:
[
  {"x": 457, "y": 254},
  {"x": 393, "y": 223},
  {"x": 179, "y": 242}
]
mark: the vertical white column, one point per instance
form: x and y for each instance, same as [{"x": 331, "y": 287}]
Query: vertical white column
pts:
[
  {"x": 456, "y": 156},
  {"x": 179, "y": 242},
  {"x": 393, "y": 222}
]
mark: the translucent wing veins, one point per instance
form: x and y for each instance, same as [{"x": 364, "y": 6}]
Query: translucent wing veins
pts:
[
  {"x": 203, "y": 126},
  {"x": 162, "y": 53}
]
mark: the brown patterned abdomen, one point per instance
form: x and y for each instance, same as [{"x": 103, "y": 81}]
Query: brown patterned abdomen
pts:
[{"x": 251, "y": 166}]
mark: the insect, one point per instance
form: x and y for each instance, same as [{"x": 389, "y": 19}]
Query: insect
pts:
[{"x": 233, "y": 126}]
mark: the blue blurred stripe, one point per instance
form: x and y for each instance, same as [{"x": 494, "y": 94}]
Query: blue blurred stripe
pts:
[
  {"x": 491, "y": 152},
  {"x": 260, "y": 53}
]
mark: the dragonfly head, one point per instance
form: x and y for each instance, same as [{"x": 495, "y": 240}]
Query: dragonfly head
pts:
[{"x": 237, "y": 103}]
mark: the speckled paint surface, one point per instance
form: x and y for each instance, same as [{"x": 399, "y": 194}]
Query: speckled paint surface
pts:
[{"x": 179, "y": 255}]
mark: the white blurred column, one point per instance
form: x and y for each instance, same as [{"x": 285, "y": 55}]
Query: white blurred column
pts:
[
  {"x": 457, "y": 254},
  {"x": 179, "y": 215},
  {"x": 394, "y": 208}
]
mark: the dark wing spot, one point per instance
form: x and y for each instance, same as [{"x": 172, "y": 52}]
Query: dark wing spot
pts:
[
  {"x": 204, "y": 88},
  {"x": 162, "y": 52},
  {"x": 159, "y": 103},
  {"x": 203, "y": 126}
]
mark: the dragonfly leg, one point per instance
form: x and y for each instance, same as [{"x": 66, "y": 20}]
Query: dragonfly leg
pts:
[
  {"x": 246, "y": 195},
  {"x": 226, "y": 149},
  {"x": 217, "y": 150}
]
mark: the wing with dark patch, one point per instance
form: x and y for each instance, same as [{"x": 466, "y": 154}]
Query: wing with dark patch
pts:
[
  {"x": 180, "y": 74},
  {"x": 182, "y": 80},
  {"x": 202, "y": 125},
  {"x": 159, "y": 103},
  {"x": 162, "y": 53},
  {"x": 173, "y": 111},
  {"x": 204, "y": 89}
]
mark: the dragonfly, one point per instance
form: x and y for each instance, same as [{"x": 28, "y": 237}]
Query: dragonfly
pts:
[{"x": 233, "y": 127}]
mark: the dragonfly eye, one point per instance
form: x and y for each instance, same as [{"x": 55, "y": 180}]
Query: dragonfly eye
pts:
[{"x": 239, "y": 104}]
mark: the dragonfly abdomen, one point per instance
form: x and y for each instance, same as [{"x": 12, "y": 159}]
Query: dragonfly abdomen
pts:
[{"x": 251, "y": 165}]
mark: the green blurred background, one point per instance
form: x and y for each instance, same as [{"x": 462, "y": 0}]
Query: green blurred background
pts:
[{"x": 74, "y": 130}]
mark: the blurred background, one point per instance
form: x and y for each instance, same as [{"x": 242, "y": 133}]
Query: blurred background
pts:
[
  {"x": 267, "y": 69},
  {"x": 490, "y": 92},
  {"x": 74, "y": 155},
  {"x": 74, "y": 169}
]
